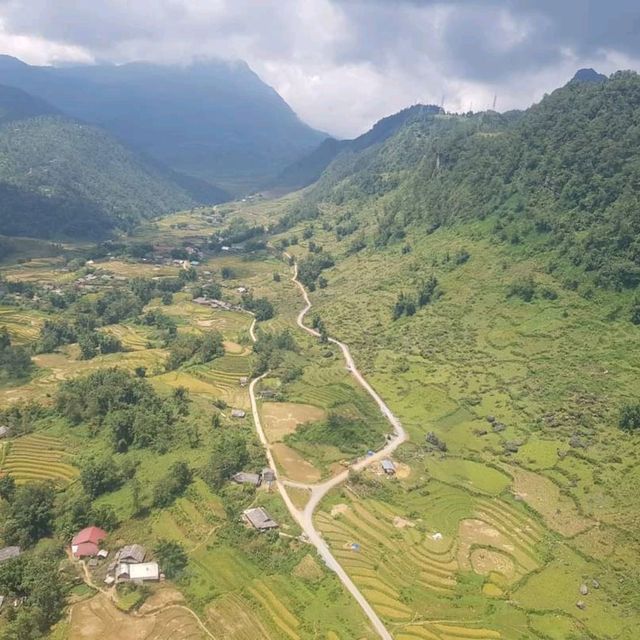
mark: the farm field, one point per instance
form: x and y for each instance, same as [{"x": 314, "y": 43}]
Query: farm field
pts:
[
  {"x": 230, "y": 583},
  {"x": 551, "y": 483},
  {"x": 37, "y": 457}
]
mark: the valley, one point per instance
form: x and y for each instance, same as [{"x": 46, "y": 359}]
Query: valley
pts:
[{"x": 399, "y": 403}]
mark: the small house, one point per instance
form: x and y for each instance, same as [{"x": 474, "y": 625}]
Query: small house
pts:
[
  {"x": 268, "y": 475},
  {"x": 259, "y": 519},
  {"x": 85, "y": 543},
  {"x": 243, "y": 381},
  {"x": 9, "y": 552},
  {"x": 131, "y": 554},
  {"x": 102, "y": 554},
  {"x": 5, "y": 432},
  {"x": 142, "y": 572},
  {"x": 238, "y": 413},
  {"x": 247, "y": 478},
  {"x": 268, "y": 393},
  {"x": 388, "y": 467}
]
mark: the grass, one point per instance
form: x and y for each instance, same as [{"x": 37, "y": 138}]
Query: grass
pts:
[{"x": 552, "y": 371}]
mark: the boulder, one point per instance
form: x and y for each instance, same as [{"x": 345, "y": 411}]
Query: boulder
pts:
[
  {"x": 498, "y": 426},
  {"x": 491, "y": 419},
  {"x": 581, "y": 604},
  {"x": 595, "y": 584},
  {"x": 584, "y": 589}
]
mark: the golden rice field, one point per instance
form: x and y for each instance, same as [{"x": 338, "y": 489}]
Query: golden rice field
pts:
[
  {"x": 23, "y": 326},
  {"x": 37, "y": 457},
  {"x": 409, "y": 568}
]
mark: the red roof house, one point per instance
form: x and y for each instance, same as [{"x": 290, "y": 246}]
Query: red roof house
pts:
[{"x": 86, "y": 542}]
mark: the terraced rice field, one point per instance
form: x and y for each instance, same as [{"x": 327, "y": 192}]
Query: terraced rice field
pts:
[
  {"x": 37, "y": 457},
  {"x": 23, "y": 326},
  {"x": 132, "y": 338},
  {"x": 406, "y": 566}
]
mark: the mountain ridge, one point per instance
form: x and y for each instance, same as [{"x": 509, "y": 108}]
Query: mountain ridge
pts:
[{"x": 214, "y": 120}]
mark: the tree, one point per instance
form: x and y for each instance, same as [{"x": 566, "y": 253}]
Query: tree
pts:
[
  {"x": 99, "y": 475},
  {"x": 172, "y": 485},
  {"x": 30, "y": 516},
  {"x": 635, "y": 310},
  {"x": 167, "y": 298},
  {"x": 629, "y": 419},
  {"x": 136, "y": 498},
  {"x": 7, "y": 487},
  {"x": 229, "y": 455},
  {"x": 171, "y": 556}
]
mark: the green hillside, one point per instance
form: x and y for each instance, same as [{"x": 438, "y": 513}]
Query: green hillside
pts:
[
  {"x": 482, "y": 269},
  {"x": 215, "y": 120},
  {"x": 560, "y": 177},
  {"x": 62, "y": 178}
]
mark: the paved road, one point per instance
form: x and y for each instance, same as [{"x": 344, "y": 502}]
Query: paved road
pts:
[{"x": 318, "y": 491}]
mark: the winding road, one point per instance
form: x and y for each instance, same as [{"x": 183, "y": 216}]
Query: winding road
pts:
[{"x": 318, "y": 491}]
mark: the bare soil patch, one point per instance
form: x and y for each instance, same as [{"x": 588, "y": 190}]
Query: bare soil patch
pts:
[
  {"x": 283, "y": 418},
  {"x": 559, "y": 511},
  {"x": 99, "y": 619},
  {"x": 294, "y": 466}
]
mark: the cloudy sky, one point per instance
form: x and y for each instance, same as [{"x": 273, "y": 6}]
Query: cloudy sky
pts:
[{"x": 343, "y": 64}]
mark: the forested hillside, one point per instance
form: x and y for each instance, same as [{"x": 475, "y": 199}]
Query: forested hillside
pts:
[
  {"x": 562, "y": 176},
  {"x": 214, "y": 120},
  {"x": 62, "y": 178}
]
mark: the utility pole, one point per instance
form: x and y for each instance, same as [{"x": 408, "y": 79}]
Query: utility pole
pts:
[{"x": 495, "y": 99}]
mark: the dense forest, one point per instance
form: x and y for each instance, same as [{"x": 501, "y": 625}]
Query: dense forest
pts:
[{"x": 561, "y": 176}]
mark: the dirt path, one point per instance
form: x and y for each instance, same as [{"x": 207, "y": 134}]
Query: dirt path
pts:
[{"x": 318, "y": 491}]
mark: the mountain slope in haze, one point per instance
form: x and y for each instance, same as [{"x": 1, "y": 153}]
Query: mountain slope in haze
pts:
[
  {"x": 214, "y": 120},
  {"x": 562, "y": 176},
  {"x": 309, "y": 168},
  {"x": 62, "y": 178}
]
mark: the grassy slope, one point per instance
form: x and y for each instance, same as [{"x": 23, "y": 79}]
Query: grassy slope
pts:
[{"x": 550, "y": 370}]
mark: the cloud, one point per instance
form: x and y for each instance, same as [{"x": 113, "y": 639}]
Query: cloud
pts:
[{"x": 342, "y": 64}]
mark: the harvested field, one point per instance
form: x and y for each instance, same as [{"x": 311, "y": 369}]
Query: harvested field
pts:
[
  {"x": 283, "y": 418},
  {"x": 558, "y": 510},
  {"x": 293, "y": 465},
  {"x": 99, "y": 619}
]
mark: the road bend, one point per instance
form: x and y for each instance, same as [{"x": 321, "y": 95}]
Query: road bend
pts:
[{"x": 304, "y": 517}]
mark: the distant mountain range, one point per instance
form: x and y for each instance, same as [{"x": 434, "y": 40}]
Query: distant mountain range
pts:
[
  {"x": 60, "y": 177},
  {"x": 215, "y": 120}
]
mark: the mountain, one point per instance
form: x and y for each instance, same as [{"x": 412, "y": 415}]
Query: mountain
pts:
[
  {"x": 308, "y": 169},
  {"x": 561, "y": 177},
  {"x": 62, "y": 178},
  {"x": 588, "y": 75},
  {"x": 214, "y": 120}
]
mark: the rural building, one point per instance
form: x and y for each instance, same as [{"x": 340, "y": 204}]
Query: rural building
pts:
[
  {"x": 243, "y": 381},
  {"x": 388, "y": 467},
  {"x": 267, "y": 393},
  {"x": 103, "y": 553},
  {"x": 131, "y": 554},
  {"x": 268, "y": 475},
  {"x": 9, "y": 552},
  {"x": 5, "y": 432},
  {"x": 238, "y": 413},
  {"x": 86, "y": 542},
  {"x": 259, "y": 519},
  {"x": 142, "y": 572},
  {"x": 247, "y": 478}
]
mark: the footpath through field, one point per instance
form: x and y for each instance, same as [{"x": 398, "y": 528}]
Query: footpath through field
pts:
[{"x": 318, "y": 491}]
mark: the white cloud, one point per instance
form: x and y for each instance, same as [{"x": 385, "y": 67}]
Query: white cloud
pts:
[
  {"x": 342, "y": 64},
  {"x": 38, "y": 51}
]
